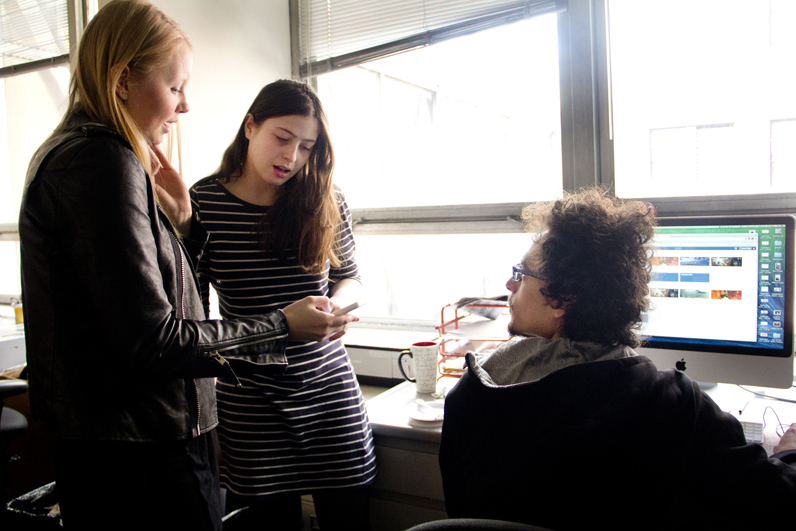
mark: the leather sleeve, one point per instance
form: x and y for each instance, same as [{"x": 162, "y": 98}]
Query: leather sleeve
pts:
[{"x": 139, "y": 297}]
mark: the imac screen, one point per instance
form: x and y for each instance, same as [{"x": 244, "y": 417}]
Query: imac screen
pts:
[{"x": 721, "y": 299}]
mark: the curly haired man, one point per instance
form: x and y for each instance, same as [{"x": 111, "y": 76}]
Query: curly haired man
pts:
[{"x": 566, "y": 427}]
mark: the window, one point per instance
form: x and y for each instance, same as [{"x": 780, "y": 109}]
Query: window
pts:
[
  {"x": 437, "y": 150},
  {"x": 693, "y": 158},
  {"x": 34, "y": 103},
  {"x": 410, "y": 277},
  {"x": 783, "y": 154},
  {"x": 701, "y": 97},
  {"x": 442, "y": 126},
  {"x": 688, "y": 104},
  {"x": 45, "y": 92},
  {"x": 34, "y": 80},
  {"x": 33, "y": 30}
]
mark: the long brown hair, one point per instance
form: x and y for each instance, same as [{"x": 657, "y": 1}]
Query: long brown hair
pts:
[
  {"x": 124, "y": 33},
  {"x": 306, "y": 212}
]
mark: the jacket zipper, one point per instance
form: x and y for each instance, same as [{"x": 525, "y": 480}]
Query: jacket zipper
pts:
[
  {"x": 182, "y": 316},
  {"x": 218, "y": 350},
  {"x": 198, "y": 408},
  {"x": 215, "y": 352},
  {"x": 182, "y": 276}
]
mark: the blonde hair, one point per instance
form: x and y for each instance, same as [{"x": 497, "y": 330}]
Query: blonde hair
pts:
[{"x": 124, "y": 33}]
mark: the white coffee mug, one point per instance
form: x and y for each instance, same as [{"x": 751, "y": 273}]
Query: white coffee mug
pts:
[{"x": 424, "y": 355}]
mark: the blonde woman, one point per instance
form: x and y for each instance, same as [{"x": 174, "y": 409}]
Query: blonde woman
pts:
[{"x": 120, "y": 357}]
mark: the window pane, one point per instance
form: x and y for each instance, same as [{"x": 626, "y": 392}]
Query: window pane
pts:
[
  {"x": 9, "y": 272},
  {"x": 32, "y": 30},
  {"x": 472, "y": 120},
  {"x": 32, "y": 105},
  {"x": 783, "y": 152},
  {"x": 413, "y": 276},
  {"x": 699, "y": 87}
]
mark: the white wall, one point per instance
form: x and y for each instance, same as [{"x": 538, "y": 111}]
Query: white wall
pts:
[{"x": 239, "y": 46}]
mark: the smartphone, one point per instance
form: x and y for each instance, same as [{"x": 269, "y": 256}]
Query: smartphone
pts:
[{"x": 343, "y": 311}]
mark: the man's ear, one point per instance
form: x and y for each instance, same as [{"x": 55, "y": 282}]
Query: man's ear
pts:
[
  {"x": 558, "y": 310},
  {"x": 123, "y": 83}
]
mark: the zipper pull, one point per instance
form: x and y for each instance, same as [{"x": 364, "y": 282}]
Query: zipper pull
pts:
[{"x": 224, "y": 363}]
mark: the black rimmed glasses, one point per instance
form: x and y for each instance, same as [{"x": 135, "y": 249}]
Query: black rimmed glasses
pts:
[{"x": 517, "y": 272}]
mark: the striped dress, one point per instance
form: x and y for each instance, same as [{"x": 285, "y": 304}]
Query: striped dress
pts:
[{"x": 306, "y": 428}]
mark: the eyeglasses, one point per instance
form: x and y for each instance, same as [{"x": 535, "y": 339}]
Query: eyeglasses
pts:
[{"x": 517, "y": 272}]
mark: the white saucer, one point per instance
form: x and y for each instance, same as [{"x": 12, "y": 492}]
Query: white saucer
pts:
[{"x": 427, "y": 414}]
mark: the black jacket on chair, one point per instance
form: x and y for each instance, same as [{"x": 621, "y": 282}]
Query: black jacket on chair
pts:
[
  {"x": 117, "y": 345},
  {"x": 612, "y": 443}
]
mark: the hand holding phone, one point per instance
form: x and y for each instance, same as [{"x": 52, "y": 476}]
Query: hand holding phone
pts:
[{"x": 343, "y": 311}]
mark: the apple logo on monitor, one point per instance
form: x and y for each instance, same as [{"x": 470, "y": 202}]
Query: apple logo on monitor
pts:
[{"x": 680, "y": 365}]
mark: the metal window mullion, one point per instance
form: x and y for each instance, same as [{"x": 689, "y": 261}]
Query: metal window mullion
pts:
[
  {"x": 9, "y": 232},
  {"x": 447, "y": 219},
  {"x": 723, "y": 205},
  {"x": 78, "y": 12},
  {"x": 24, "y": 68},
  {"x": 580, "y": 119}
]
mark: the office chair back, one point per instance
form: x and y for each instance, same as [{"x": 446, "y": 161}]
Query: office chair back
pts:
[
  {"x": 474, "y": 524},
  {"x": 12, "y": 423}
]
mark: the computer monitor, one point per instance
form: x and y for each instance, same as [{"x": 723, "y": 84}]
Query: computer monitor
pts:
[{"x": 721, "y": 299}]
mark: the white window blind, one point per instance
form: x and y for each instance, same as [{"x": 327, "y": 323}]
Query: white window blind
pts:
[
  {"x": 32, "y": 32},
  {"x": 332, "y": 34}
]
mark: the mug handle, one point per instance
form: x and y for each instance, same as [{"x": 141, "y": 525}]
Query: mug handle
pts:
[{"x": 400, "y": 365}]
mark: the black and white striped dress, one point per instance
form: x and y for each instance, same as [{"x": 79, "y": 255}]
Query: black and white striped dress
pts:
[{"x": 304, "y": 429}]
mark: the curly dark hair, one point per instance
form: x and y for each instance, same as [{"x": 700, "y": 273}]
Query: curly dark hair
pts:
[{"x": 593, "y": 252}]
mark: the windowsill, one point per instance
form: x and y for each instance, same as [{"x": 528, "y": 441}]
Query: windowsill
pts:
[{"x": 386, "y": 339}]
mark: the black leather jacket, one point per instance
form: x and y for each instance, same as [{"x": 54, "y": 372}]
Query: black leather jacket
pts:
[{"x": 117, "y": 345}]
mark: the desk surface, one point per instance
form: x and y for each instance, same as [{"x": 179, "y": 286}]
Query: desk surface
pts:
[
  {"x": 389, "y": 412},
  {"x": 12, "y": 346},
  {"x": 771, "y": 407}
]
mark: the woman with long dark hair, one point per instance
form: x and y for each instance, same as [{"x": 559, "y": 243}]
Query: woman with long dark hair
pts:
[{"x": 279, "y": 231}]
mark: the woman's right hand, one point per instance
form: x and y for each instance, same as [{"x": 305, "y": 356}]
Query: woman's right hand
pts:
[{"x": 310, "y": 319}]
